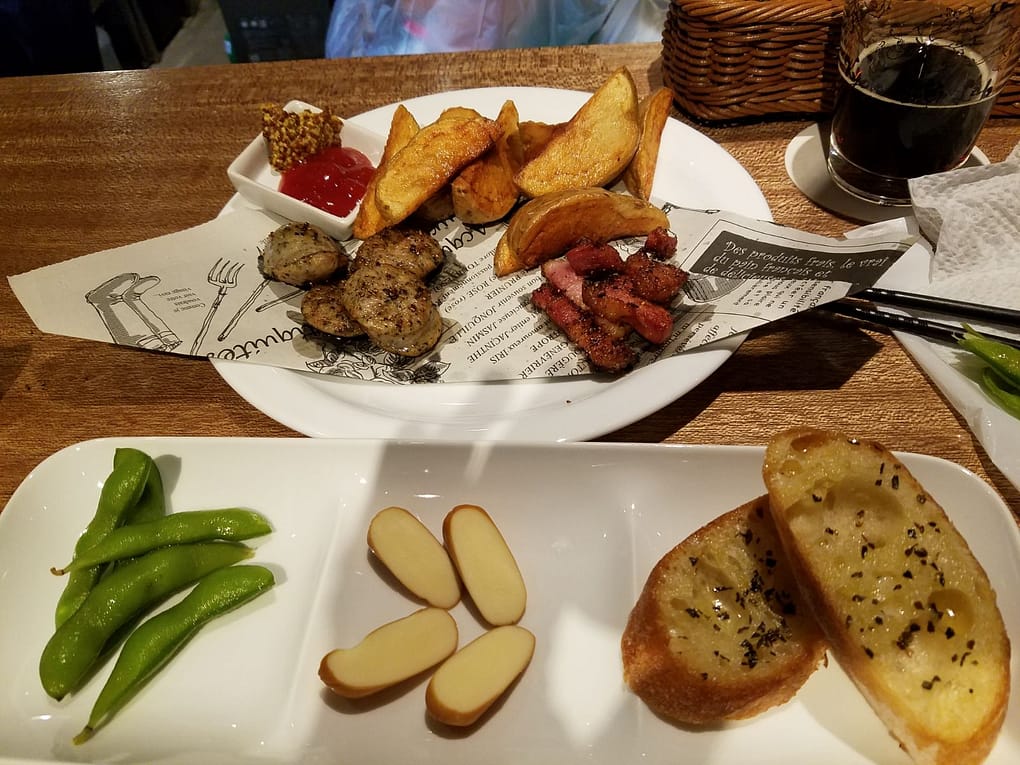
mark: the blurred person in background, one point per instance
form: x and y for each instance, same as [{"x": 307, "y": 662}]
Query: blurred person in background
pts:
[
  {"x": 384, "y": 27},
  {"x": 47, "y": 37}
]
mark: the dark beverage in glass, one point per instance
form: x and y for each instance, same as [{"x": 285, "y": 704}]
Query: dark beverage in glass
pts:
[{"x": 906, "y": 108}]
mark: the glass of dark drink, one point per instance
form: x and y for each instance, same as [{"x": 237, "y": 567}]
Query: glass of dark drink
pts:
[{"x": 917, "y": 81}]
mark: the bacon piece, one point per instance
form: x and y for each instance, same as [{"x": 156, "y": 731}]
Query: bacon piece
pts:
[
  {"x": 613, "y": 298},
  {"x": 655, "y": 281},
  {"x": 660, "y": 244},
  {"x": 563, "y": 277},
  {"x": 588, "y": 258},
  {"x": 605, "y": 352}
]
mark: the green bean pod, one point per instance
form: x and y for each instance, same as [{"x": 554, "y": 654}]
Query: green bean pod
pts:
[
  {"x": 1003, "y": 358},
  {"x": 119, "y": 496},
  {"x": 119, "y": 598},
  {"x": 230, "y": 524},
  {"x": 156, "y": 641},
  {"x": 1001, "y": 392}
]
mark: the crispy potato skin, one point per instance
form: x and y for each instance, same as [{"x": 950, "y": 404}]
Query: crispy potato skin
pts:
[
  {"x": 593, "y": 147},
  {"x": 653, "y": 111},
  {"x": 548, "y": 226},
  {"x": 429, "y": 160},
  {"x": 485, "y": 191}
]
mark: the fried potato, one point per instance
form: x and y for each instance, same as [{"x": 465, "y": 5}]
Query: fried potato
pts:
[
  {"x": 403, "y": 127},
  {"x": 485, "y": 191},
  {"x": 429, "y": 160},
  {"x": 534, "y": 137},
  {"x": 653, "y": 111},
  {"x": 462, "y": 112},
  {"x": 549, "y": 225},
  {"x": 439, "y": 206},
  {"x": 593, "y": 147},
  {"x": 436, "y": 208}
]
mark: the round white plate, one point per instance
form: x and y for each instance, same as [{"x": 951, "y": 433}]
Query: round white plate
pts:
[{"x": 693, "y": 171}]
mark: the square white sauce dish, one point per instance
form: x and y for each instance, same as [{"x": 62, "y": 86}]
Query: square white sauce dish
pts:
[{"x": 257, "y": 181}]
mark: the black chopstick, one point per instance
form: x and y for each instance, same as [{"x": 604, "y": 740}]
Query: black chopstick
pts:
[
  {"x": 933, "y": 330},
  {"x": 1006, "y": 317}
]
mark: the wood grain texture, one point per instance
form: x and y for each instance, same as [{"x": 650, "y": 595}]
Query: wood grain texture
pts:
[{"x": 93, "y": 161}]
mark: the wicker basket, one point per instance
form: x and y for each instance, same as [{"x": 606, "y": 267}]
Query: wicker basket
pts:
[{"x": 730, "y": 60}]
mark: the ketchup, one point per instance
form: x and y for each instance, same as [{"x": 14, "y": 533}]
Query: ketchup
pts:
[{"x": 333, "y": 180}]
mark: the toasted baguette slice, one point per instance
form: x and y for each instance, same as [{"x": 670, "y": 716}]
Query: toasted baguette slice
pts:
[
  {"x": 717, "y": 632},
  {"x": 908, "y": 610}
]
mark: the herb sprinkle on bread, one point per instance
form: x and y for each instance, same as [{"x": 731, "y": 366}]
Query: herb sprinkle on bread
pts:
[
  {"x": 908, "y": 610},
  {"x": 718, "y": 632}
]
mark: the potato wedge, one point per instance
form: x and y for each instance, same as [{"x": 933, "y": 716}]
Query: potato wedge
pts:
[
  {"x": 593, "y": 147},
  {"x": 548, "y": 226},
  {"x": 436, "y": 208},
  {"x": 403, "y": 127},
  {"x": 459, "y": 112},
  {"x": 653, "y": 111},
  {"x": 439, "y": 206},
  {"x": 429, "y": 160},
  {"x": 534, "y": 137},
  {"x": 485, "y": 191}
]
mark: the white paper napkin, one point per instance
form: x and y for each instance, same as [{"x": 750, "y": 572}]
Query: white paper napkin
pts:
[{"x": 972, "y": 215}]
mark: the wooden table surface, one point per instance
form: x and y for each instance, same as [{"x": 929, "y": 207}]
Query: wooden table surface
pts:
[{"x": 93, "y": 161}]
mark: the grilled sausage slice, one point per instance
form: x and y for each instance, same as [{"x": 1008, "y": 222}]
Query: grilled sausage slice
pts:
[
  {"x": 395, "y": 308},
  {"x": 410, "y": 249}
]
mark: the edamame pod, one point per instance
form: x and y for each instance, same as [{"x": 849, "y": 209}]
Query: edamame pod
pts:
[
  {"x": 152, "y": 504},
  {"x": 1003, "y": 358},
  {"x": 1001, "y": 378},
  {"x": 230, "y": 524},
  {"x": 121, "y": 492},
  {"x": 159, "y": 639},
  {"x": 120, "y": 597},
  {"x": 1001, "y": 392}
]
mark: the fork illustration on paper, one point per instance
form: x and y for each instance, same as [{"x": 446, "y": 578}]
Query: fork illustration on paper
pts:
[
  {"x": 243, "y": 309},
  {"x": 222, "y": 275}
]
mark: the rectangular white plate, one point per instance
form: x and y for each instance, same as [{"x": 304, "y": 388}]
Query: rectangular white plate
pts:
[{"x": 586, "y": 521}]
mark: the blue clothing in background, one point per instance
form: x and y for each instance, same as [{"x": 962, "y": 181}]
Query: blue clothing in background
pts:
[{"x": 384, "y": 27}]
